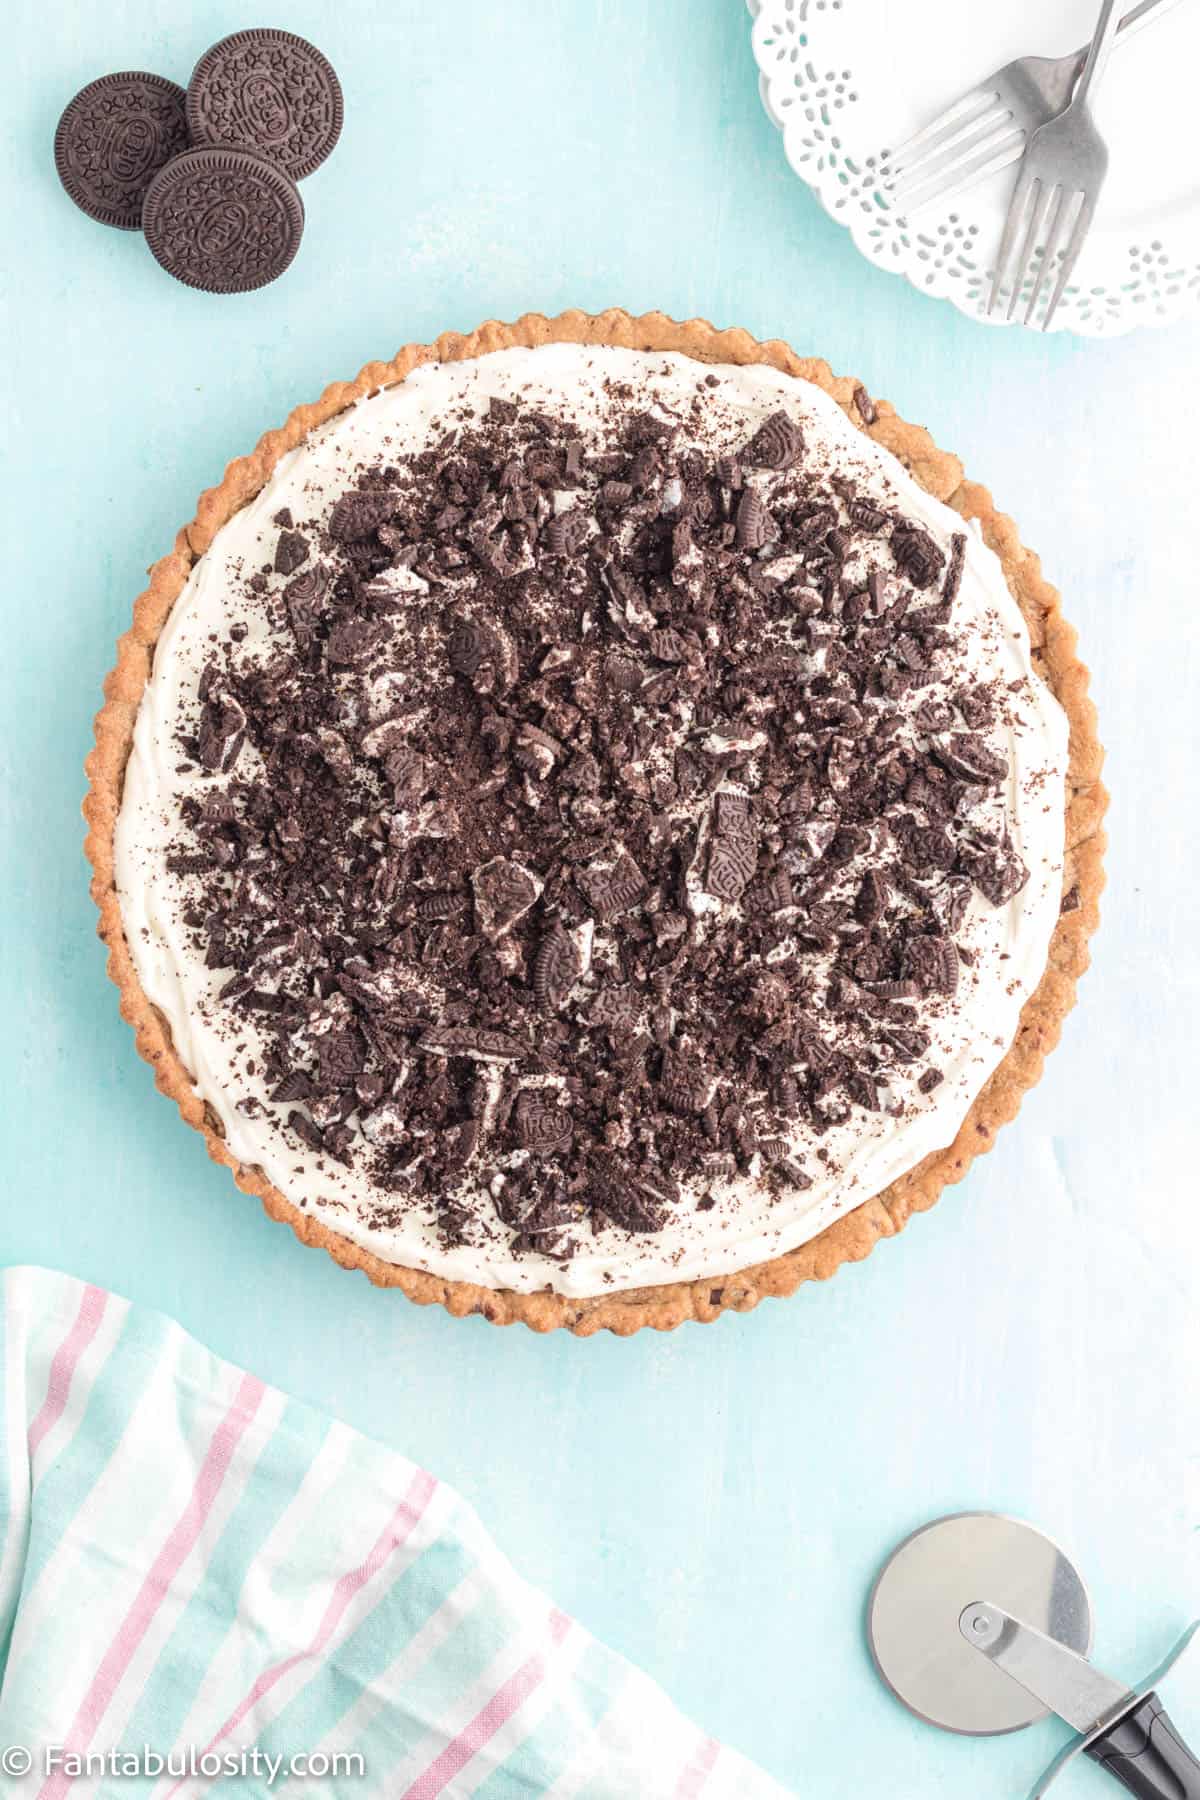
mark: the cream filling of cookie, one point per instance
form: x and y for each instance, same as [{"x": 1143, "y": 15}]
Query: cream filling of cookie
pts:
[{"x": 743, "y": 1221}]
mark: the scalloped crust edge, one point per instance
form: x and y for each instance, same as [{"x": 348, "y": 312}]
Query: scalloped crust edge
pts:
[{"x": 848, "y": 1239}]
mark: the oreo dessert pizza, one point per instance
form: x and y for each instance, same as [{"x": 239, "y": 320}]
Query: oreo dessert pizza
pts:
[{"x": 597, "y": 821}]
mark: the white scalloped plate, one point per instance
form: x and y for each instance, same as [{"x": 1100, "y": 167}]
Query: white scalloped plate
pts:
[{"x": 846, "y": 79}]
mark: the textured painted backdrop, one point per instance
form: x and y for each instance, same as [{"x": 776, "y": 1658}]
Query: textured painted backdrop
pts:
[{"x": 713, "y": 1503}]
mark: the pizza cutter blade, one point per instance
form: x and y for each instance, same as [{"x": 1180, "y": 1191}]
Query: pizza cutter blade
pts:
[{"x": 980, "y": 1625}]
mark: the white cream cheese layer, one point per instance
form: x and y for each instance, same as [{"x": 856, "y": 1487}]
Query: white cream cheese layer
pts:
[{"x": 1007, "y": 945}]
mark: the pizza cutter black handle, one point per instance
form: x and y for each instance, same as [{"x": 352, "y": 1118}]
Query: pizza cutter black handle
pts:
[{"x": 1147, "y": 1755}]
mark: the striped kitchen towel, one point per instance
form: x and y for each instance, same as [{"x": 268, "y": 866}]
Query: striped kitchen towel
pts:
[{"x": 207, "y": 1588}]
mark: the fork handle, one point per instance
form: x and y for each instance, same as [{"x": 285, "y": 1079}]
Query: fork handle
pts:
[
  {"x": 1102, "y": 43},
  {"x": 1137, "y": 16},
  {"x": 1144, "y": 13}
]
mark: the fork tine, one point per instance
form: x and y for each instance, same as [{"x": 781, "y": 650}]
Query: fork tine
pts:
[
  {"x": 1038, "y": 219},
  {"x": 1017, "y": 207},
  {"x": 972, "y": 103},
  {"x": 949, "y": 143},
  {"x": 977, "y": 171},
  {"x": 1053, "y": 226},
  {"x": 981, "y": 157},
  {"x": 1079, "y": 231},
  {"x": 940, "y": 163}
]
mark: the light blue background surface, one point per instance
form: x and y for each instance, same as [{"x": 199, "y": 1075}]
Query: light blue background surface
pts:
[{"x": 712, "y": 1503}]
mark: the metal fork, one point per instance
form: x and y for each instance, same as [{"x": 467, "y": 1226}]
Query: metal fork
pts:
[
  {"x": 1062, "y": 173},
  {"x": 986, "y": 129}
]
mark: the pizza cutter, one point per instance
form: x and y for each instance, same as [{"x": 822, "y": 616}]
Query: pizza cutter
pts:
[{"x": 979, "y": 1624}]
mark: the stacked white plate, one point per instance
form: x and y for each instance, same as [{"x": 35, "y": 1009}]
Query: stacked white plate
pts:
[{"x": 847, "y": 80}]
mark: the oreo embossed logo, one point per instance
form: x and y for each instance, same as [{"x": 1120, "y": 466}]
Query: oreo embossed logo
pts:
[
  {"x": 133, "y": 148},
  {"x": 265, "y": 110},
  {"x": 222, "y": 228}
]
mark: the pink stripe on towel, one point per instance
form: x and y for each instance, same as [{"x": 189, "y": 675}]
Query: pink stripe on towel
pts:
[
  {"x": 157, "y": 1584},
  {"x": 695, "y": 1777},
  {"x": 488, "y": 1720},
  {"x": 420, "y": 1492},
  {"x": 62, "y": 1369}
]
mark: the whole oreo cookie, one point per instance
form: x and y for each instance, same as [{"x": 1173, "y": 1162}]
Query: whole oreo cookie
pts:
[
  {"x": 112, "y": 140},
  {"x": 270, "y": 91},
  {"x": 223, "y": 220}
]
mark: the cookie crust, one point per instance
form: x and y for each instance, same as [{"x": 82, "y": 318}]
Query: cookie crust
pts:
[{"x": 851, "y": 1237}]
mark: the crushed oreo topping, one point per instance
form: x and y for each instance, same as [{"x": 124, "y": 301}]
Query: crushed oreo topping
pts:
[
  {"x": 594, "y": 828},
  {"x": 776, "y": 444},
  {"x": 290, "y": 551}
]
